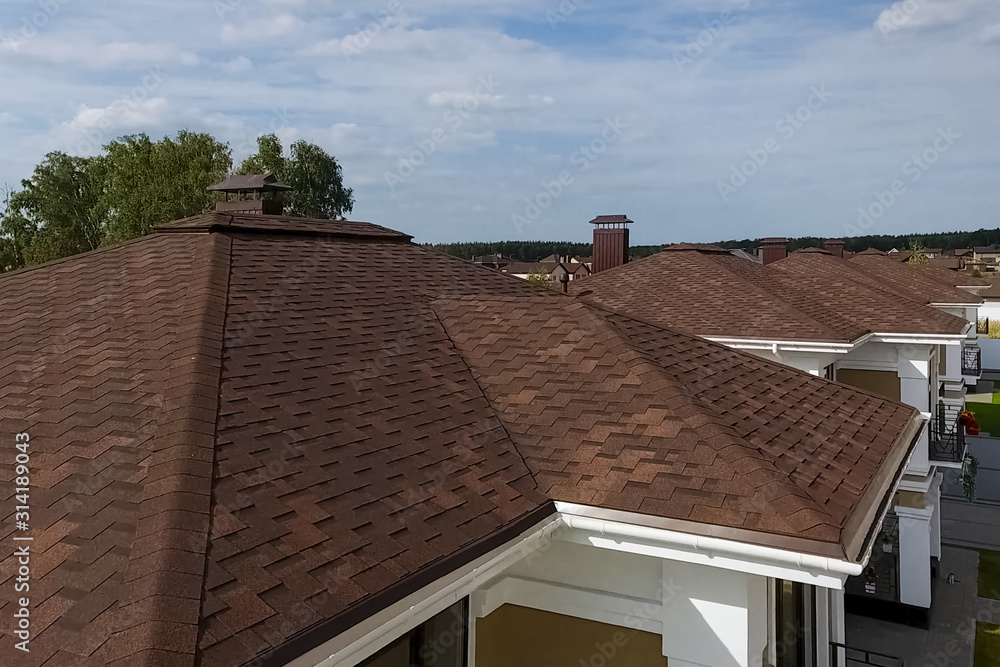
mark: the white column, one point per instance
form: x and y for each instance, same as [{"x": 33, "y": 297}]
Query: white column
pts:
[
  {"x": 915, "y": 556},
  {"x": 838, "y": 623},
  {"x": 914, "y": 372},
  {"x": 934, "y": 501},
  {"x": 824, "y": 626}
]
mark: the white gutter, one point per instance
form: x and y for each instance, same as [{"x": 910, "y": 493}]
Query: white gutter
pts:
[
  {"x": 921, "y": 340},
  {"x": 712, "y": 546},
  {"x": 775, "y": 346},
  {"x": 957, "y": 305}
]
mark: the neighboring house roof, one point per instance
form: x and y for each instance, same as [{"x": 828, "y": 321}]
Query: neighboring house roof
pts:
[
  {"x": 492, "y": 260},
  {"x": 962, "y": 252},
  {"x": 924, "y": 283},
  {"x": 252, "y": 432},
  {"x": 706, "y": 291},
  {"x": 522, "y": 268},
  {"x": 743, "y": 254},
  {"x": 986, "y": 249}
]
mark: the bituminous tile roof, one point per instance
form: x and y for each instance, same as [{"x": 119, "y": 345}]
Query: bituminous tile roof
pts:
[
  {"x": 923, "y": 283},
  {"x": 249, "y": 434},
  {"x": 705, "y": 292}
]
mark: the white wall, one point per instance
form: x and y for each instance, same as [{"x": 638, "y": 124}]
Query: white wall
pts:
[{"x": 708, "y": 617}]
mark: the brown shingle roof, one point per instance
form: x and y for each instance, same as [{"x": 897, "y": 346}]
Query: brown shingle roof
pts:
[
  {"x": 925, "y": 284},
  {"x": 708, "y": 293},
  {"x": 248, "y": 431}
]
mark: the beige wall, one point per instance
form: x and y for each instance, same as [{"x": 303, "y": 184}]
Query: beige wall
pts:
[
  {"x": 883, "y": 383},
  {"x": 515, "y": 636},
  {"x": 911, "y": 499}
]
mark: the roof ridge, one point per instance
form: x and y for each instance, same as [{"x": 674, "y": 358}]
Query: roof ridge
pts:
[{"x": 177, "y": 489}]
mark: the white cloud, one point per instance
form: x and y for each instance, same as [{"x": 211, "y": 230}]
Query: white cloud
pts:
[
  {"x": 915, "y": 14},
  {"x": 91, "y": 128},
  {"x": 237, "y": 65},
  {"x": 991, "y": 33},
  {"x": 261, "y": 29},
  {"x": 85, "y": 52}
]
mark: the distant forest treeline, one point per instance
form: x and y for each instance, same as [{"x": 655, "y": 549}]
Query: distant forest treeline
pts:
[
  {"x": 943, "y": 240},
  {"x": 532, "y": 251}
]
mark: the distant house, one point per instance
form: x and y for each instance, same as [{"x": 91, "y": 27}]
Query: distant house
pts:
[
  {"x": 553, "y": 266},
  {"x": 984, "y": 258},
  {"x": 492, "y": 261}
]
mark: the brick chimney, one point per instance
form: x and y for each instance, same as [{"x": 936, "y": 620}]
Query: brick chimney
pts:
[
  {"x": 257, "y": 194},
  {"x": 773, "y": 249},
  {"x": 610, "y": 241},
  {"x": 835, "y": 247}
]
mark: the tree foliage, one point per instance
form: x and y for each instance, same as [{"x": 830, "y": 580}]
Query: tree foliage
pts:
[
  {"x": 315, "y": 177},
  {"x": 147, "y": 183},
  {"x": 540, "y": 278},
  {"x": 55, "y": 214},
  {"x": 74, "y": 204}
]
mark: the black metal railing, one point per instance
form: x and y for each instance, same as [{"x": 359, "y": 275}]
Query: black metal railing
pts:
[
  {"x": 880, "y": 580},
  {"x": 972, "y": 363},
  {"x": 854, "y": 657},
  {"x": 983, "y": 326},
  {"x": 947, "y": 435}
]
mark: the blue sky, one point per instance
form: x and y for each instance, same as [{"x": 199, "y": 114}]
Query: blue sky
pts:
[{"x": 509, "y": 119}]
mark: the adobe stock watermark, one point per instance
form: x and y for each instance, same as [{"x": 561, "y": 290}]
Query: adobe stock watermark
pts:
[
  {"x": 453, "y": 120},
  {"x": 95, "y": 137},
  {"x": 382, "y": 20},
  {"x": 897, "y": 16},
  {"x": 562, "y": 13},
  {"x": 223, "y": 7},
  {"x": 583, "y": 159},
  {"x": 32, "y": 23},
  {"x": 714, "y": 28},
  {"x": 786, "y": 127},
  {"x": 914, "y": 168}
]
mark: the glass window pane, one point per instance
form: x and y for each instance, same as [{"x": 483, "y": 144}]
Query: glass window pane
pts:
[{"x": 442, "y": 640}]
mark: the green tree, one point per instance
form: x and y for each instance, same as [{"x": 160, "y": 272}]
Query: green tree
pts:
[
  {"x": 55, "y": 214},
  {"x": 151, "y": 182},
  {"x": 918, "y": 253},
  {"x": 540, "y": 278},
  {"x": 315, "y": 177}
]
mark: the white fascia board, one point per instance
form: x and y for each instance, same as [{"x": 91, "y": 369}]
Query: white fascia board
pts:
[{"x": 702, "y": 550}]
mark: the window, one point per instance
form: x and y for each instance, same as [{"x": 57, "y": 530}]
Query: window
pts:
[
  {"x": 440, "y": 642},
  {"x": 795, "y": 620},
  {"x": 829, "y": 373}
]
